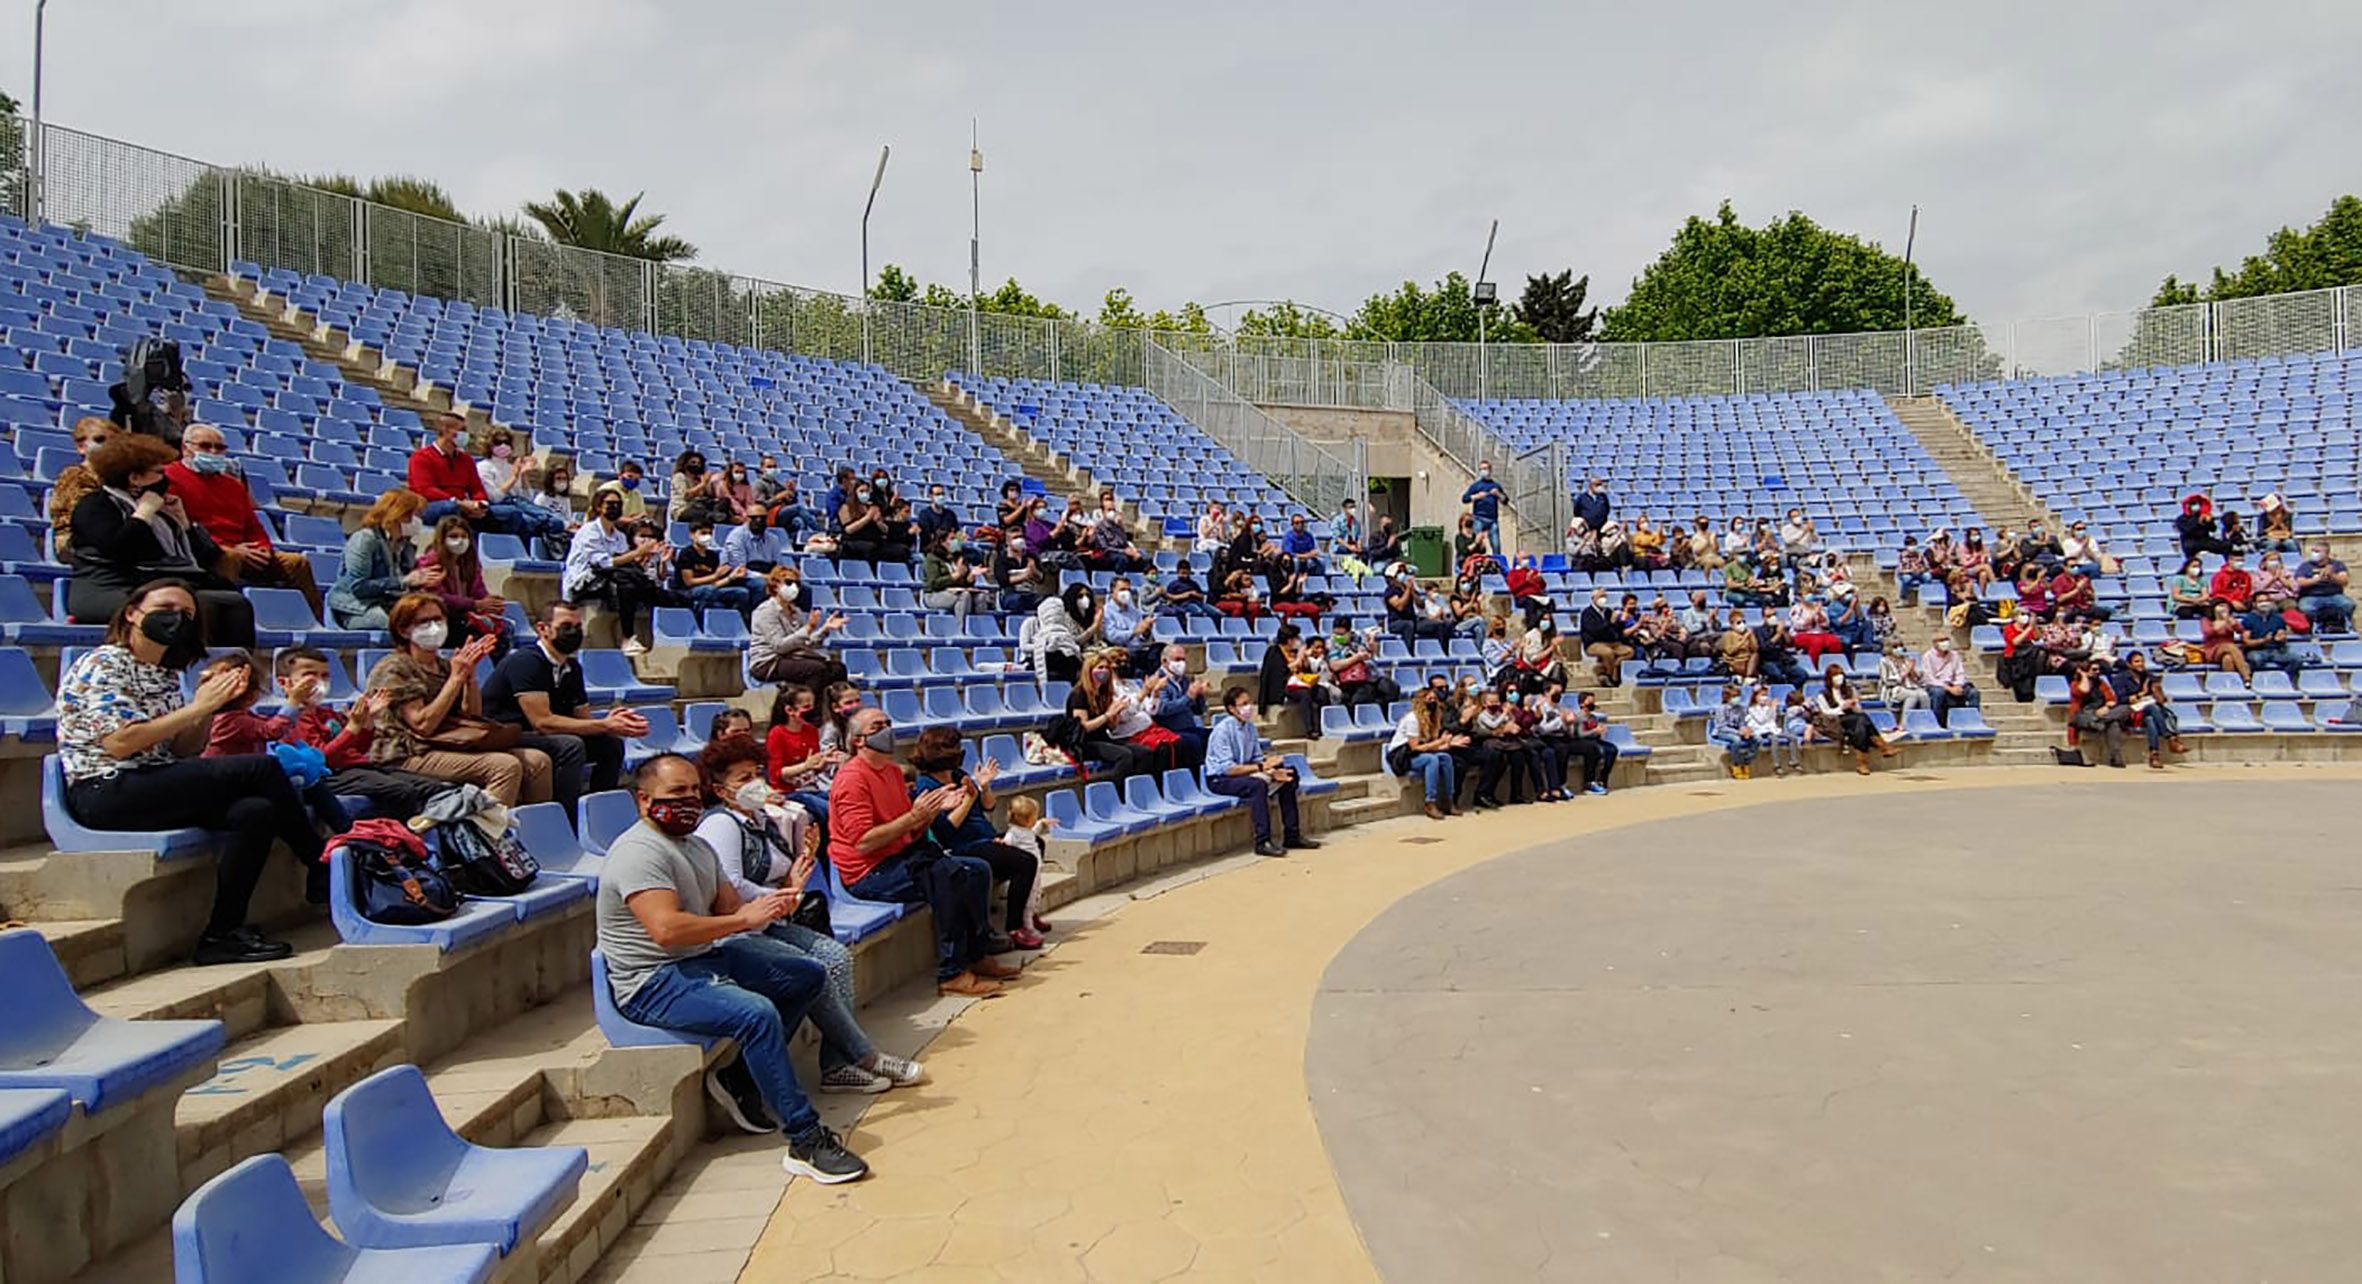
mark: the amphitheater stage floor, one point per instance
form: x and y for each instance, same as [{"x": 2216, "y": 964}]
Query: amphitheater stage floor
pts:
[{"x": 2093, "y": 1029}]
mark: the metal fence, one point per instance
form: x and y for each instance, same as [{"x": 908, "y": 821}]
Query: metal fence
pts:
[
  {"x": 1318, "y": 477},
  {"x": 202, "y": 218}
]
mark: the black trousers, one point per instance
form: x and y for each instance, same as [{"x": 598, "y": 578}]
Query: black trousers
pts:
[
  {"x": 628, "y": 596},
  {"x": 815, "y": 671},
  {"x": 245, "y": 795},
  {"x": 1598, "y": 756},
  {"x": 396, "y": 794},
  {"x": 1008, "y": 866},
  {"x": 1480, "y": 763}
]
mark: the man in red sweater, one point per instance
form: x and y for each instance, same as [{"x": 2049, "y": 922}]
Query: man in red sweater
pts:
[
  {"x": 444, "y": 473},
  {"x": 207, "y": 483}
]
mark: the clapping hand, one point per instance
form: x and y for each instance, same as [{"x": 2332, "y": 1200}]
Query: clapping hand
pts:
[
  {"x": 625, "y": 722},
  {"x": 217, "y": 689},
  {"x": 988, "y": 771},
  {"x": 769, "y": 908}
]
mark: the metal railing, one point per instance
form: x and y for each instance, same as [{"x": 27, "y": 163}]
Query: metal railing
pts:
[
  {"x": 201, "y": 218},
  {"x": 1317, "y": 477}
]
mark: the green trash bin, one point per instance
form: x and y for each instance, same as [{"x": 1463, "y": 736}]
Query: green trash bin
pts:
[{"x": 1423, "y": 548}]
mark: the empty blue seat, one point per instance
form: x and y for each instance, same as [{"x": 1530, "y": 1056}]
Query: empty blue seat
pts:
[
  {"x": 2235, "y": 718},
  {"x": 850, "y": 918},
  {"x": 1921, "y": 724},
  {"x": 49, "y": 1038},
  {"x": 602, "y": 817},
  {"x": 1308, "y": 782},
  {"x": 399, "y": 1177},
  {"x": 1065, "y": 807},
  {"x": 547, "y": 831},
  {"x": 1141, "y": 795},
  {"x": 1182, "y": 786},
  {"x": 2285, "y": 716},
  {"x": 609, "y": 679},
  {"x": 251, "y": 1223},
  {"x": 283, "y": 618},
  {"x": 28, "y": 1116},
  {"x": 1968, "y": 723}
]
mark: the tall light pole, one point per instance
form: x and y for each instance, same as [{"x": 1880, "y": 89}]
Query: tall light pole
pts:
[
  {"x": 975, "y": 249},
  {"x": 1910, "y": 345},
  {"x": 34, "y": 199},
  {"x": 1486, "y": 296},
  {"x": 872, "y": 203}
]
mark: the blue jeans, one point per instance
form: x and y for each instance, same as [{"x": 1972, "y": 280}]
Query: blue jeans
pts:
[
  {"x": 795, "y": 517},
  {"x": 1488, "y": 529},
  {"x": 2325, "y": 609},
  {"x": 1192, "y": 609},
  {"x": 1786, "y": 742},
  {"x": 1910, "y": 584},
  {"x": 842, "y": 1040},
  {"x": 504, "y": 517},
  {"x": 754, "y": 990},
  {"x": 1441, "y": 774},
  {"x": 1742, "y": 752},
  {"x": 1941, "y": 703},
  {"x": 735, "y": 597},
  {"x": 957, "y": 888}
]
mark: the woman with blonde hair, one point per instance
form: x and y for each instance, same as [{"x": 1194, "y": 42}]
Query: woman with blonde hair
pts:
[
  {"x": 90, "y": 433},
  {"x": 432, "y": 721},
  {"x": 1107, "y": 719},
  {"x": 381, "y": 563},
  {"x": 788, "y": 636}
]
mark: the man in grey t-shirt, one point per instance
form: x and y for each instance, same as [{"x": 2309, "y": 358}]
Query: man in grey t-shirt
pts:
[{"x": 686, "y": 952}]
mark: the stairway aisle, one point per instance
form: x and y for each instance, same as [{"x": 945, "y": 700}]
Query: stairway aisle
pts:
[
  {"x": 1039, "y": 462},
  {"x": 1996, "y": 494}
]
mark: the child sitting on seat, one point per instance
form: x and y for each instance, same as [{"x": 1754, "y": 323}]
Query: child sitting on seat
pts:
[
  {"x": 1028, "y": 828},
  {"x": 236, "y": 730},
  {"x": 301, "y": 673}
]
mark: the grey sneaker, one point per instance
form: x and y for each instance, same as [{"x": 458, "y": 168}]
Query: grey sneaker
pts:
[
  {"x": 902, "y": 1072},
  {"x": 820, "y": 1156},
  {"x": 854, "y": 1079}
]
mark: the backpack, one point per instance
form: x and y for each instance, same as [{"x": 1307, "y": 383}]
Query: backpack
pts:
[
  {"x": 394, "y": 884},
  {"x": 152, "y": 365},
  {"x": 480, "y": 865}
]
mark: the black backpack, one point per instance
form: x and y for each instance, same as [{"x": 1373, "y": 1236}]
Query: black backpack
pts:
[
  {"x": 482, "y": 866},
  {"x": 398, "y": 887}
]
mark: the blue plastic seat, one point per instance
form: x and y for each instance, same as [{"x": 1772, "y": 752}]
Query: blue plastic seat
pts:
[
  {"x": 1308, "y": 782},
  {"x": 1921, "y": 724},
  {"x": 1066, "y": 807},
  {"x": 2285, "y": 716},
  {"x": 1181, "y": 786},
  {"x": 547, "y": 831},
  {"x": 251, "y": 1223},
  {"x": 2235, "y": 718},
  {"x": 1104, "y": 804},
  {"x": 474, "y": 921},
  {"x": 608, "y": 678},
  {"x": 676, "y": 626},
  {"x": 1141, "y": 795},
  {"x": 850, "y": 918},
  {"x": 283, "y": 618},
  {"x": 67, "y": 834},
  {"x": 2051, "y": 688},
  {"x": 622, "y": 1031},
  {"x": 1968, "y": 723},
  {"x": 399, "y": 1177},
  {"x": 602, "y": 817},
  {"x": 49, "y": 1038},
  {"x": 30, "y": 1115}
]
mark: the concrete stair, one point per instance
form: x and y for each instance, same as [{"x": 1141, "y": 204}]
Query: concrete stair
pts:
[
  {"x": 1996, "y": 493},
  {"x": 1056, "y": 472}
]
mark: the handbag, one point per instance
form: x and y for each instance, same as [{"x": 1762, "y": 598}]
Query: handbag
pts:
[
  {"x": 812, "y": 912},
  {"x": 393, "y": 882},
  {"x": 481, "y": 865},
  {"x": 2297, "y": 621},
  {"x": 464, "y": 733}
]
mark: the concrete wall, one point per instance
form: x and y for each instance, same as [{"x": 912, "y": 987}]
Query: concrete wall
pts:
[{"x": 1430, "y": 493}]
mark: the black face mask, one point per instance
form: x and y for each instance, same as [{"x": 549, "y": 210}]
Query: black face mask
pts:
[
  {"x": 165, "y": 627},
  {"x": 566, "y": 639},
  {"x": 754, "y": 525},
  {"x": 156, "y": 487},
  {"x": 612, "y": 512},
  {"x": 812, "y": 715}
]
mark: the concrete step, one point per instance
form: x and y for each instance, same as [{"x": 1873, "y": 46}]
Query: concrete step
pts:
[
  {"x": 271, "y": 1088},
  {"x": 90, "y": 949},
  {"x": 628, "y": 1163},
  {"x": 1377, "y": 806}
]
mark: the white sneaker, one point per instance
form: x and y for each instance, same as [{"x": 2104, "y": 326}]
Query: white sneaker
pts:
[
  {"x": 854, "y": 1079},
  {"x": 634, "y": 646},
  {"x": 902, "y": 1072}
]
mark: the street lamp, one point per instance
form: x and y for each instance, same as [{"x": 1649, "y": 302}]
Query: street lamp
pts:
[
  {"x": 1486, "y": 297},
  {"x": 867, "y": 206},
  {"x": 975, "y": 251},
  {"x": 33, "y": 205},
  {"x": 1910, "y": 348}
]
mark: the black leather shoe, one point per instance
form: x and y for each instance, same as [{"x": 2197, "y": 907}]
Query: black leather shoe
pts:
[
  {"x": 1269, "y": 848},
  {"x": 1299, "y": 842},
  {"x": 244, "y": 945}
]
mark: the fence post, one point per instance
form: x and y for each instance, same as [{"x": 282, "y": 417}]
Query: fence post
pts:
[
  {"x": 1054, "y": 331},
  {"x": 231, "y": 219},
  {"x": 361, "y": 242}
]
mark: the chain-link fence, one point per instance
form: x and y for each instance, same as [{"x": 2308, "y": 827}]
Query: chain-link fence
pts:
[
  {"x": 202, "y": 218},
  {"x": 1317, "y": 477}
]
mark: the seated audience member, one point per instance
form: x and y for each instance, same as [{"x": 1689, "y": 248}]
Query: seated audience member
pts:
[
  {"x": 472, "y": 607},
  {"x": 129, "y": 745},
  {"x": 2196, "y": 528},
  {"x": 2232, "y": 584},
  {"x": 2235, "y": 534},
  {"x": 1185, "y": 597},
  {"x": 1849, "y": 619},
  {"x": 1808, "y": 630},
  {"x": 539, "y": 690},
  {"x": 1109, "y": 546},
  {"x": 431, "y": 721},
  {"x": 794, "y": 762},
  {"x": 2082, "y": 551},
  {"x": 1063, "y": 625},
  {"x": 694, "y": 492},
  {"x": 499, "y": 469},
  {"x": 550, "y": 488},
  {"x": 610, "y": 565},
  {"x": 1282, "y": 659},
  {"x": 1588, "y": 741},
  {"x": 2267, "y": 643},
  {"x": 1739, "y": 650},
  {"x": 302, "y": 676},
  {"x": 755, "y": 546},
  {"x": 1900, "y": 684},
  {"x": 2275, "y": 588},
  {"x": 381, "y": 564},
  {"x": 1528, "y": 592},
  {"x": 1177, "y": 702},
  {"x": 133, "y": 530},
  {"x": 877, "y": 839},
  {"x": 1407, "y": 608},
  {"x": 2073, "y": 597},
  {"x": 686, "y": 951},
  {"x": 2093, "y": 707},
  {"x": 211, "y": 489},
  {"x": 1615, "y": 546},
  {"x": 702, "y": 576},
  {"x": 1422, "y": 749},
  {"x": 1345, "y": 530},
  {"x": 864, "y": 530},
  {"x": 1605, "y": 638},
  {"x": 1945, "y": 675},
  {"x": 1772, "y": 728},
  {"x": 1911, "y": 569},
  {"x": 1775, "y": 652},
  {"x": 785, "y": 512},
  {"x": 627, "y": 487},
  {"x": 444, "y": 474},
  {"x": 1352, "y": 667},
  {"x": 1213, "y": 530},
  {"x": 948, "y": 581},
  {"x": 1884, "y": 630},
  {"x": 787, "y": 642},
  {"x": 2223, "y": 643},
  {"x": 1109, "y": 722},
  {"x": 76, "y": 481},
  {"x": 936, "y": 517},
  {"x": 1128, "y": 622},
  {"x": 1837, "y": 711},
  {"x": 1017, "y": 575},
  {"x": 2188, "y": 593},
  {"x": 1384, "y": 544},
  {"x": 1308, "y": 686},
  {"x": 2275, "y": 525},
  {"x": 1727, "y": 727},
  {"x": 738, "y": 492},
  {"x": 2321, "y": 590},
  {"x": 2008, "y": 555},
  {"x": 965, "y": 828},
  {"x": 764, "y": 843},
  {"x": 1495, "y": 722},
  {"x": 236, "y": 730},
  {"x": 2138, "y": 688},
  {"x": 1299, "y": 547},
  {"x": 1647, "y": 544},
  {"x": 1971, "y": 559},
  {"x": 1237, "y": 765}
]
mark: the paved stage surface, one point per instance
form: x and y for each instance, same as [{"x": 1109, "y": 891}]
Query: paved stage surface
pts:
[{"x": 2091, "y": 1029}]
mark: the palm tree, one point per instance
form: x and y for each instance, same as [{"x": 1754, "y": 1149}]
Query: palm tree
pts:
[{"x": 594, "y": 222}]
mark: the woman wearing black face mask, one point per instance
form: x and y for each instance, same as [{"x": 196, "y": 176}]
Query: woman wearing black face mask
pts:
[
  {"x": 129, "y": 745},
  {"x": 131, "y": 530}
]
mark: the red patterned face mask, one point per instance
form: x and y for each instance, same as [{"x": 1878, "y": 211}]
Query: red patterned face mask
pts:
[{"x": 677, "y": 817}]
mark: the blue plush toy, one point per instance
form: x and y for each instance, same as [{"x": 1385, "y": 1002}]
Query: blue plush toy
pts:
[{"x": 305, "y": 766}]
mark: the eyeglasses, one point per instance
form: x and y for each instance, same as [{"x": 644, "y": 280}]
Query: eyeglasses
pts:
[{"x": 214, "y": 448}]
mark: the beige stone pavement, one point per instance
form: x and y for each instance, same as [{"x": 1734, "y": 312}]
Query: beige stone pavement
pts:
[{"x": 1126, "y": 1116}]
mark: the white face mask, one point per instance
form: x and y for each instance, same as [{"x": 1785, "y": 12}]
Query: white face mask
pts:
[
  {"x": 457, "y": 544},
  {"x": 1123, "y": 597},
  {"x": 407, "y": 532},
  {"x": 790, "y": 590},
  {"x": 703, "y": 541},
  {"x": 1177, "y": 668},
  {"x": 753, "y": 795},
  {"x": 430, "y": 635}
]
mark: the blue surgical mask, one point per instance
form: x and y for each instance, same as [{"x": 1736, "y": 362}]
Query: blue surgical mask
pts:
[{"x": 212, "y": 465}]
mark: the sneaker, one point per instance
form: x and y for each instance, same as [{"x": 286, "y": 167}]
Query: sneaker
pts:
[
  {"x": 820, "y": 1156},
  {"x": 239, "y": 945},
  {"x": 1025, "y": 940},
  {"x": 854, "y": 1079},
  {"x": 635, "y": 647},
  {"x": 734, "y": 1091},
  {"x": 1595, "y": 788},
  {"x": 902, "y": 1072}
]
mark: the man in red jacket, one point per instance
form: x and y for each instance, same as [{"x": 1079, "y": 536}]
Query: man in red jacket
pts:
[
  {"x": 445, "y": 474},
  {"x": 207, "y": 483}
]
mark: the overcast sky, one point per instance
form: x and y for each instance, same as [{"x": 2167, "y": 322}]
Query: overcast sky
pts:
[{"x": 2065, "y": 155}]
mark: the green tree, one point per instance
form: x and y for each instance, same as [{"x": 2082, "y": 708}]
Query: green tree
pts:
[
  {"x": 2329, "y": 253},
  {"x": 1721, "y": 279},
  {"x": 592, "y": 220},
  {"x": 12, "y": 157},
  {"x": 1118, "y": 311},
  {"x": 1446, "y": 314},
  {"x": 894, "y": 285},
  {"x": 1286, "y": 320},
  {"x": 1553, "y": 306}
]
